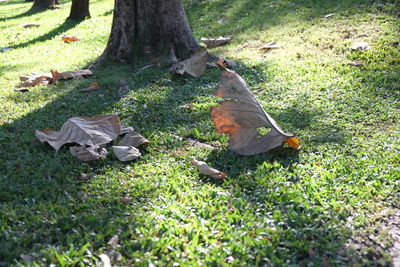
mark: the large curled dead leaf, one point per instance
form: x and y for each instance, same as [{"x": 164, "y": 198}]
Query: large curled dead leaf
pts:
[
  {"x": 251, "y": 130},
  {"x": 88, "y": 153},
  {"x": 211, "y": 43},
  {"x": 126, "y": 153},
  {"x": 207, "y": 170},
  {"x": 134, "y": 139},
  {"x": 195, "y": 65},
  {"x": 90, "y": 131}
]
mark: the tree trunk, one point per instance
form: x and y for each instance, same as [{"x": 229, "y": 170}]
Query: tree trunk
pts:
[
  {"x": 79, "y": 10},
  {"x": 45, "y": 3},
  {"x": 152, "y": 29}
]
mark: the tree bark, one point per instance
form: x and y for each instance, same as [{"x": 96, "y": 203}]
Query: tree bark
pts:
[
  {"x": 79, "y": 10},
  {"x": 45, "y": 3},
  {"x": 152, "y": 29}
]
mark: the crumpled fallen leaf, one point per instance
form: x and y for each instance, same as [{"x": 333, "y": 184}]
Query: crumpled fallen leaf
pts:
[
  {"x": 207, "y": 170},
  {"x": 35, "y": 79},
  {"x": 126, "y": 153},
  {"x": 69, "y": 38},
  {"x": 84, "y": 176},
  {"x": 93, "y": 87},
  {"x": 90, "y": 131},
  {"x": 195, "y": 65},
  {"x": 270, "y": 45},
  {"x": 241, "y": 116},
  {"x": 134, "y": 139},
  {"x": 30, "y": 25},
  {"x": 361, "y": 46},
  {"x": 211, "y": 43},
  {"x": 88, "y": 153},
  {"x": 113, "y": 242},
  {"x": 105, "y": 260},
  {"x": 123, "y": 89},
  {"x": 78, "y": 74}
]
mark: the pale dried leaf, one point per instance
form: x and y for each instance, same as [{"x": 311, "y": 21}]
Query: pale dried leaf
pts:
[
  {"x": 125, "y": 129},
  {"x": 113, "y": 243},
  {"x": 194, "y": 66},
  {"x": 241, "y": 116},
  {"x": 361, "y": 46},
  {"x": 270, "y": 45},
  {"x": 126, "y": 153},
  {"x": 90, "y": 131},
  {"x": 84, "y": 176},
  {"x": 211, "y": 43},
  {"x": 88, "y": 153},
  {"x": 123, "y": 89},
  {"x": 105, "y": 260},
  {"x": 30, "y": 25},
  {"x": 207, "y": 170},
  {"x": 330, "y": 15},
  {"x": 134, "y": 139}
]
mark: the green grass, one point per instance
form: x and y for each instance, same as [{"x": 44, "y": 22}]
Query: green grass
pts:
[{"x": 327, "y": 204}]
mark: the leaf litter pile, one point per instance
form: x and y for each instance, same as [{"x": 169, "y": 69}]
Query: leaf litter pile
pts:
[{"x": 239, "y": 115}]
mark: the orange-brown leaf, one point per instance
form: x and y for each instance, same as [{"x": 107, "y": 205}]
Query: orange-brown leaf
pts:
[
  {"x": 224, "y": 122},
  {"x": 69, "y": 39},
  {"x": 293, "y": 142}
]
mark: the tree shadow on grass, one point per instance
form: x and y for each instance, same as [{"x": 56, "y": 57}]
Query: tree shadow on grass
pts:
[
  {"x": 65, "y": 26},
  {"x": 30, "y": 12}
]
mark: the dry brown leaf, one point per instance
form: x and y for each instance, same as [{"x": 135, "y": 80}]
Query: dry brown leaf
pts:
[
  {"x": 242, "y": 117},
  {"x": 90, "y": 131},
  {"x": 69, "y": 38},
  {"x": 93, "y": 87},
  {"x": 78, "y": 74},
  {"x": 270, "y": 45},
  {"x": 195, "y": 65},
  {"x": 88, "y": 153},
  {"x": 210, "y": 43},
  {"x": 207, "y": 170},
  {"x": 134, "y": 139},
  {"x": 126, "y": 153},
  {"x": 35, "y": 79}
]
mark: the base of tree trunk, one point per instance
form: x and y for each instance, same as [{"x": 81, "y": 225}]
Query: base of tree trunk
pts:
[
  {"x": 149, "y": 29},
  {"x": 79, "y": 10},
  {"x": 45, "y": 3}
]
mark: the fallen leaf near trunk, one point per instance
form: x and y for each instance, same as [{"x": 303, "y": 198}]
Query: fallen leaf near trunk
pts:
[
  {"x": 207, "y": 170},
  {"x": 123, "y": 89},
  {"x": 30, "y": 25},
  {"x": 126, "y": 153},
  {"x": 93, "y": 87},
  {"x": 361, "y": 46},
  {"x": 69, "y": 39},
  {"x": 243, "y": 119},
  {"x": 271, "y": 45},
  {"x": 35, "y": 79},
  {"x": 195, "y": 65},
  {"x": 293, "y": 142},
  {"x": 88, "y": 153},
  {"x": 92, "y": 131},
  {"x": 134, "y": 139},
  {"x": 211, "y": 43},
  {"x": 78, "y": 74}
]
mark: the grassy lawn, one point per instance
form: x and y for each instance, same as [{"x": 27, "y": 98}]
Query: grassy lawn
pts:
[{"x": 335, "y": 202}]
